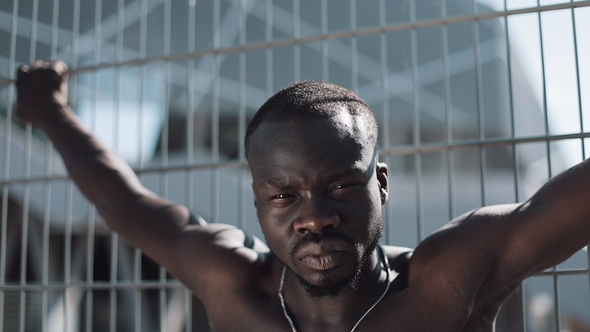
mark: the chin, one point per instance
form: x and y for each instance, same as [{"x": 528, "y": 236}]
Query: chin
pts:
[{"x": 330, "y": 286}]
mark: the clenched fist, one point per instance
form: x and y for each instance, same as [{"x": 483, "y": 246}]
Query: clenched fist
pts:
[{"x": 42, "y": 91}]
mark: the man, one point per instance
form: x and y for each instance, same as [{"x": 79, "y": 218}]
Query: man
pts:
[{"x": 319, "y": 194}]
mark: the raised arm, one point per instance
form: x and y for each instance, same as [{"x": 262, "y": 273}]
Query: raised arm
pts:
[
  {"x": 102, "y": 176},
  {"x": 549, "y": 227},
  {"x": 157, "y": 226},
  {"x": 492, "y": 249}
]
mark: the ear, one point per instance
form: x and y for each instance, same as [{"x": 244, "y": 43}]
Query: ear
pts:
[
  {"x": 254, "y": 192},
  {"x": 383, "y": 181}
]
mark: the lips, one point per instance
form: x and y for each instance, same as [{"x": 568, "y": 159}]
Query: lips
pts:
[
  {"x": 323, "y": 255},
  {"x": 324, "y": 262}
]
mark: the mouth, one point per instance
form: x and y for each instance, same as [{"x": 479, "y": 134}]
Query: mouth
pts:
[
  {"x": 323, "y": 255},
  {"x": 325, "y": 261}
]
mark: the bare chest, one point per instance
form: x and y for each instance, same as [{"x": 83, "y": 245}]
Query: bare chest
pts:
[{"x": 265, "y": 314}]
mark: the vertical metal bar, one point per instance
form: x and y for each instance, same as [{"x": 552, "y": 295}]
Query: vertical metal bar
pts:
[
  {"x": 70, "y": 185},
  {"x": 384, "y": 76},
  {"x": 26, "y": 188},
  {"x": 3, "y": 250},
  {"x": 480, "y": 106},
  {"x": 578, "y": 84},
  {"x": 34, "y": 26},
  {"x": 242, "y": 120},
  {"x": 68, "y": 253},
  {"x": 416, "y": 110},
  {"x": 90, "y": 267},
  {"x": 580, "y": 110},
  {"x": 269, "y": 55},
  {"x": 24, "y": 245},
  {"x": 190, "y": 116},
  {"x": 513, "y": 146},
  {"x": 74, "y": 55},
  {"x": 137, "y": 255},
  {"x": 7, "y": 142},
  {"x": 115, "y": 236},
  {"x": 511, "y": 107},
  {"x": 164, "y": 149},
  {"x": 190, "y": 129},
  {"x": 296, "y": 47},
  {"x": 91, "y": 210},
  {"x": 548, "y": 151},
  {"x": 448, "y": 107},
  {"x": 54, "y": 29},
  {"x": 545, "y": 109},
  {"x": 45, "y": 236},
  {"x": 188, "y": 303},
  {"x": 137, "y": 291},
  {"x": 47, "y": 186},
  {"x": 325, "y": 45},
  {"x": 142, "y": 73},
  {"x": 215, "y": 115},
  {"x": 353, "y": 47},
  {"x": 385, "y": 133}
]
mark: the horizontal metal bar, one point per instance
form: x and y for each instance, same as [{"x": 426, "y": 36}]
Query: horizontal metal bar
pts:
[
  {"x": 564, "y": 272},
  {"x": 91, "y": 286},
  {"x": 168, "y": 169},
  {"x": 335, "y": 35},
  {"x": 399, "y": 150},
  {"x": 456, "y": 145}
]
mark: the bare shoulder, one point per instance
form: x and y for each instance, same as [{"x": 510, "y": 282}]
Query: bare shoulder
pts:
[
  {"x": 204, "y": 255},
  {"x": 224, "y": 236},
  {"x": 398, "y": 257},
  {"x": 221, "y": 246},
  {"x": 479, "y": 239},
  {"x": 470, "y": 251},
  {"x": 472, "y": 232}
]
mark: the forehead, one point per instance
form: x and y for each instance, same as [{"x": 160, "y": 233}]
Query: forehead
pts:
[{"x": 314, "y": 148}]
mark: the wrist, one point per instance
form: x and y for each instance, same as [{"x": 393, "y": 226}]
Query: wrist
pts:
[{"x": 54, "y": 117}]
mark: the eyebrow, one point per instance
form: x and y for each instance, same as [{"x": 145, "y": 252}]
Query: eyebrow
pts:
[
  {"x": 282, "y": 183},
  {"x": 278, "y": 183}
]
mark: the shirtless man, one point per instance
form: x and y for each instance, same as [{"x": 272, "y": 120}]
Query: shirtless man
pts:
[{"x": 319, "y": 194}]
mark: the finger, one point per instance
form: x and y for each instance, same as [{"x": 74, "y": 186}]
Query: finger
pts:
[
  {"x": 60, "y": 67},
  {"x": 22, "y": 72},
  {"x": 39, "y": 64}
]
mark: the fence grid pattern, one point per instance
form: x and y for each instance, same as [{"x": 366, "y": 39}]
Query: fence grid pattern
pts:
[{"x": 48, "y": 268}]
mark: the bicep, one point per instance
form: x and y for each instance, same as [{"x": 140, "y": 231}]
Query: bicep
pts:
[
  {"x": 188, "y": 247},
  {"x": 555, "y": 222},
  {"x": 147, "y": 222},
  {"x": 543, "y": 235},
  {"x": 467, "y": 255},
  {"x": 511, "y": 242}
]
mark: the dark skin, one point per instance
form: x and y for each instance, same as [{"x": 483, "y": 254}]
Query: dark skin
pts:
[{"x": 319, "y": 177}]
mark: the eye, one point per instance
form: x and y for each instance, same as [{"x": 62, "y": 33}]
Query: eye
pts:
[
  {"x": 343, "y": 188},
  {"x": 283, "y": 199},
  {"x": 282, "y": 196}
]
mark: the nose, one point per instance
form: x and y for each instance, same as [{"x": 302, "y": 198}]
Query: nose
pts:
[{"x": 315, "y": 216}]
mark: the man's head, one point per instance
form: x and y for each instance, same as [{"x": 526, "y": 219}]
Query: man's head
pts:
[
  {"x": 313, "y": 100},
  {"x": 319, "y": 190}
]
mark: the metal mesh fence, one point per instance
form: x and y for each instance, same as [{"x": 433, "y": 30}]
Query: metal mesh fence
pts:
[{"x": 478, "y": 102}]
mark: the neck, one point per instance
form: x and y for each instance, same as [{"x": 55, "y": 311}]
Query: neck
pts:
[{"x": 342, "y": 310}]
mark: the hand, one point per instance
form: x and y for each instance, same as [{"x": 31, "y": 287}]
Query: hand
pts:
[{"x": 42, "y": 90}]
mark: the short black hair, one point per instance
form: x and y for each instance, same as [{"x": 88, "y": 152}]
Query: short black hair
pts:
[{"x": 312, "y": 100}]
